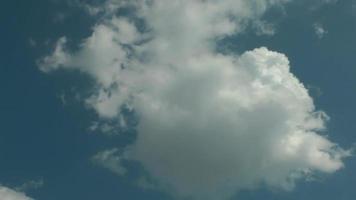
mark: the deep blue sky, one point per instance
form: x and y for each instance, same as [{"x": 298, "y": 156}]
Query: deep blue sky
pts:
[{"x": 40, "y": 138}]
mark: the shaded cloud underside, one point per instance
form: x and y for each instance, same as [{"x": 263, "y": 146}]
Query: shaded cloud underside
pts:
[{"x": 210, "y": 124}]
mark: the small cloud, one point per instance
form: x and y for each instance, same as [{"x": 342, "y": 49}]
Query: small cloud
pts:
[
  {"x": 110, "y": 159},
  {"x": 59, "y": 57},
  {"x": 319, "y": 30}
]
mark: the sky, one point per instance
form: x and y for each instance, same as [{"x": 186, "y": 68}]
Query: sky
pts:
[{"x": 178, "y": 99}]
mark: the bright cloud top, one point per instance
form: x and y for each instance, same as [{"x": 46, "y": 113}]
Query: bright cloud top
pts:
[{"x": 210, "y": 124}]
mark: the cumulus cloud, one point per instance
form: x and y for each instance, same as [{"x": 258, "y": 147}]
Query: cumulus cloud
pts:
[
  {"x": 9, "y": 194},
  {"x": 210, "y": 124}
]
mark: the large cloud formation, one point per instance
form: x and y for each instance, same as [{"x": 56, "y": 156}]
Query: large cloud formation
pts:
[{"x": 210, "y": 124}]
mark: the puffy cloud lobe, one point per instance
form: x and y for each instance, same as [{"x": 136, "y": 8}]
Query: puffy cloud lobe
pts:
[
  {"x": 210, "y": 124},
  {"x": 9, "y": 194},
  {"x": 235, "y": 126}
]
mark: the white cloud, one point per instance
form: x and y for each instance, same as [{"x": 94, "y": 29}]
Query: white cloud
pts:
[
  {"x": 9, "y": 194},
  {"x": 210, "y": 124},
  {"x": 319, "y": 30}
]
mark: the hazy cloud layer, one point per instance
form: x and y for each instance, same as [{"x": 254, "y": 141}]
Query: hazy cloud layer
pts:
[{"x": 210, "y": 123}]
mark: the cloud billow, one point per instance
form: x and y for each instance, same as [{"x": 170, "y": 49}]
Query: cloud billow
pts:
[{"x": 210, "y": 123}]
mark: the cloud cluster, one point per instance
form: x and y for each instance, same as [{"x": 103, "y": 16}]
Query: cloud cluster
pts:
[
  {"x": 9, "y": 194},
  {"x": 210, "y": 124}
]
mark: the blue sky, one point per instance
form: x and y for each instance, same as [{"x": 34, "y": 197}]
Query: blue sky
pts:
[{"x": 55, "y": 133}]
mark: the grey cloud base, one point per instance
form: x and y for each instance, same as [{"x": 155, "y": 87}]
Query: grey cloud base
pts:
[{"x": 210, "y": 124}]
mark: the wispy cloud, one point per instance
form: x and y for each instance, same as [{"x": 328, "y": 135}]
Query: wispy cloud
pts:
[
  {"x": 319, "y": 30},
  {"x": 30, "y": 185}
]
